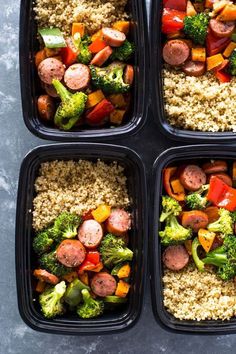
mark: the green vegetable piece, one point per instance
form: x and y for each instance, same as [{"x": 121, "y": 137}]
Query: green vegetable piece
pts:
[
  {"x": 224, "y": 224},
  {"x": 174, "y": 233},
  {"x": 66, "y": 225},
  {"x": 73, "y": 294},
  {"x": 91, "y": 307},
  {"x": 233, "y": 37},
  {"x": 116, "y": 269},
  {"x": 50, "y": 300},
  {"x": 197, "y": 200},
  {"x": 232, "y": 63},
  {"x": 52, "y": 37},
  {"x": 49, "y": 262},
  {"x": 42, "y": 242},
  {"x": 199, "y": 263},
  {"x": 85, "y": 55},
  {"x": 113, "y": 251},
  {"x": 115, "y": 299},
  {"x": 124, "y": 52},
  {"x": 170, "y": 206},
  {"x": 71, "y": 107},
  {"x": 196, "y": 27}
]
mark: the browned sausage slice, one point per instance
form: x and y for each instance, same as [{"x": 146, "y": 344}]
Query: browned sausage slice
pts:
[
  {"x": 194, "y": 68},
  {"x": 119, "y": 222},
  {"x": 192, "y": 177},
  {"x": 43, "y": 275},
  {"x": 215, "y": 166},
  {"x": 103, "y": 284},
  {"x": 175, "y": 257},
  {"x": 71, "y": 253},
  {"x": 50, "y": 69},
  {"x": 77, "y": 77},
  {"x": 212, "y": 213},
  {"x": 90, "y": 233},
  {"x": 50, "y": 89},
  {"x": 195, "y": 219},
  {"x": 113, "y": 37},
  {"x": 46, "y": 107},
  {"x": 129, "y": 74},
  {"x": 175, "y": 52},
  {"x": 222, "y": 29},
  {"x": 101, "y": 57},
  {"x": 223, "y": 176}
]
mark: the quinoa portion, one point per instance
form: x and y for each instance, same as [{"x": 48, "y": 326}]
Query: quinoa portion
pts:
[
  {"x": 193, "y": 295},
  {"x": 199, "y": 103},
  {"x": 77, "y": 187},
  {"x": 94, "y": 14}
]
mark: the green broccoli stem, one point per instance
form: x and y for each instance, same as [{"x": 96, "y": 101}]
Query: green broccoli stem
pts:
[
  {"x": 164, "y": 216},
  {"x": 86, "y": 295},
  {"x": 61, "y": 90},
  {"x": 199, "y": 263},
  {"x": 216, "y": 259}
]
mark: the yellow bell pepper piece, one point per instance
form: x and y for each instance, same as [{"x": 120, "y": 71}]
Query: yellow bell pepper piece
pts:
[{"x": 101, "y": 213}]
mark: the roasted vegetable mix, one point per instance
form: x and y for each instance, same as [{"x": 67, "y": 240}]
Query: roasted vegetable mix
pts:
[
  {"x": 80, "y": 75},
  {"x": 84, "y": 262},
  {"x": 199, "y": 226},
  {"x": 200, "y": 36}
]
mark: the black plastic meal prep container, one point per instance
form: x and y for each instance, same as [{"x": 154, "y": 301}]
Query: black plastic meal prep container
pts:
[
  {"x": 182, "y": 154},
  {"x": 121, "y": 318},
  {"x": 158, "y": 106},
  {"x": 31, "y": 89}
]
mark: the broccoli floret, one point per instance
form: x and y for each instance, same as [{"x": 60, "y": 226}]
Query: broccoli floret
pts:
[
  {"x": 90, "y": 308},
  {"x": 196, "y": 200},
  {"x": 196, "y": 26},
  {"x": 49, "y": 262},
  {"x": 85, "y": 55},
  {"x": 170, "y": 206},
  {"x": 223, "y": 225},
  {"x": 110, "y": 78},
  {"x": 174, "y": 233},
  {"x": 113, "y": 251},
  {"x": 66, "y": 225},
  {"x": 199, "y": 263},
  {"x": 232, "y": 63},
  {"x": 42, "y": 242},
  {"x": 224, "y": 257},
  {"x": 50, "y": 300},
  {"x": 124, "y": 52},
  {"x": 71, "y": 107}
]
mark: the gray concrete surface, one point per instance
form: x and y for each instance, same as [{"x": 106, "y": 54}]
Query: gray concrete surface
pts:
[{"x": 15, "y": 142}]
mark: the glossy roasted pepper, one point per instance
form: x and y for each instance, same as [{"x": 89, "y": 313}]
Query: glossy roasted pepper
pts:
[
  {"x": 172, "y": 20},
  {"x": 167, "y": 174},
  {"x": 221, "y": 195}
]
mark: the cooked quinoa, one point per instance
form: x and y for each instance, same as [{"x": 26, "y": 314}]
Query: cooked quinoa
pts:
[
  {"x": 94, "y": 14},
  {"x": 199, "y": 103},
  {"x": 193, "y": 295},
  {"x": 77, "y": 187}
]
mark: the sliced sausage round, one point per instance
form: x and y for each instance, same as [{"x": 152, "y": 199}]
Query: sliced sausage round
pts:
[
  {"x": 77, "y": 77},
  {"x": 192, "y": 177},
  {"x": 46, "y": 107},
  {"x": 50, "y": 69},
  {"x": 175, "y": 52},
  {"x": 113, "y": 37},
  {"x": 212, "y": 213},
  {"x": 216, "y": 243},
  {"x": 119, "y": 222},
  {"x": 103, "y": 284},
  {"x": 175, "y": 257},
  {"x": 224, "y": 177},
  {"x": 71, "y": 253},
  {"x": 222, "y": 29},
  {"x": 50, "y": 89},
  {"x": 215, "y": 166},
  {"x": 43, "y": 275},
  {"x": 101, "y": 57},
  {"x": 90, "y": 233},
  {"x": 194, "y": 68},
  {"x": 195, "y": 219},
  {"x": 129, "y": 74}
]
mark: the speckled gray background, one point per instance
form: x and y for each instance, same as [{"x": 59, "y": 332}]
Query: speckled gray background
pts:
[{"x": 15, "y": 142}]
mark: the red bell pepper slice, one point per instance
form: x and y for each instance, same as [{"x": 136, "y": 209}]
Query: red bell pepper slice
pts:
[
  {"x": 88, "y": 215},
  {"x": 179, "y": 5},
  {"x": 172, "y": 20},
  {"x": 100, "y": 111},
  {"x": 69, "y": 54},
  {"x": 93, "y": 257},
  {"x": 223, "y": 76},
  {"x": 221, "y": 195},
  {"x": 215, "y": 45},
  {"x": 97, "y": 45},
  {"x": 85, "y": 266}
]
